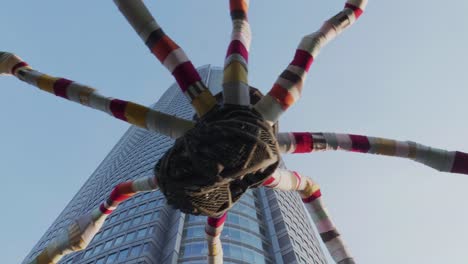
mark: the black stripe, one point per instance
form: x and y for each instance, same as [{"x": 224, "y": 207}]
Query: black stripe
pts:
[
  {"x": 154, "y": 37},
  {"x": 319, "y": 141},
  {"x": 347, "y": 261},
  {"x": 291, "y": 76},
  {"x": 238, "y": 14},
  {"x": 327, "y": 236}
]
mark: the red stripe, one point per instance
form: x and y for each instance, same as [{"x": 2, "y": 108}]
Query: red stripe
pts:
[
  {"x": 60, "y": 87},
  {"x": 186, "y": 75},
  {"x": 17, "y": 66},
  {"x": 117, "y": 108},
  {"x": 302, "y": 59},
  {"x": 122, "y": 192},
  {"x": 282, "y": 96},
  {"x": 460, "y": 164},
  {"x": 217, "y": 222},
  {"x": 357, "y": 11},
  {"x": 268, "y": 181},
  {"x": 104, "y": 210},
  {"x": 360, "y": 143},
  {"x": 313, "y": 197},
  {"x": 304, "y": 142},
  {"x": 238, "y": 47}
]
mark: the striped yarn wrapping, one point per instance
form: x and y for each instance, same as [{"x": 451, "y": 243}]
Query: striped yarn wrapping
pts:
[
  {"x": 235, "y": 78},
  {"x": 168, "y": 53},
  {"x": 439, "y": 159},
  {"x": 311, "y": 196},
  {"x": 132, "y": 113},
  {"x": 288, "y": 87},
  {"x": 81, "y": 231},
  {"x": 213, "y": 228}
]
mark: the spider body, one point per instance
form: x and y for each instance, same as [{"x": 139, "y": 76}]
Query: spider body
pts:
[{"x": 229, "y": 150}]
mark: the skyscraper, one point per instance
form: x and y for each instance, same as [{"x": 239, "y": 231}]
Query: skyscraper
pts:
[{"x": 266, "y": 226}]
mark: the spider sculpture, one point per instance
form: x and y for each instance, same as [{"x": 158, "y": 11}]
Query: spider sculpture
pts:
[{"x": 232, "y": 146}]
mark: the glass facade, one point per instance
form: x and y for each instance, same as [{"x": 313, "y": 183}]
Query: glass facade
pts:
[{"x": 264, "y": 227}]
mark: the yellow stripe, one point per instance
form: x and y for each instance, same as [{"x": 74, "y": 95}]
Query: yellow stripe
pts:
[
  {"x": 309, "y": 189},
  {"x": 44, "y": 258},
  {"x": 136, "y": 114},
  {"x": 204, "y": 102},
  {"x": 412, "y": 150},
  {"x": 214, "y": 249},
  {"x": 46, "y": 83},
  {"x": 235, "y": 72},
  {"x": 385, "y": 147}
]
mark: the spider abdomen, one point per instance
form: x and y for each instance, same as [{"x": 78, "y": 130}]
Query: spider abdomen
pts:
[{"x": 207, "y": 170}]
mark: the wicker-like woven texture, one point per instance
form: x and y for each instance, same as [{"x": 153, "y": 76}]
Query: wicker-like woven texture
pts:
[{"x": 208, "y": 169}]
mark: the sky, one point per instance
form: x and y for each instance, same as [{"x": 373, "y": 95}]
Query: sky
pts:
[{"x": 399, "y": 72}]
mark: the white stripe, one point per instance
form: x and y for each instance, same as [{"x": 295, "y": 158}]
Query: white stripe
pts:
[
  {"x": 401, "y": 149},
  {"x": 148, "y": 29},
  {"x": 100, "y": 102},
  {"x": 269, "y": 108},
  {"x": 31, "y": 77},
  {"x": 358, "y": 3},
  {"x": 138, "y": 16},
  {"x": 174, "y": 59},
  {"x": 166, "y": 124},
  {"x": 235, "y": 57},
  {"x": 241, "y": 31},
  {"x": 73, "y": 92},
  {"x": 144, "y": 184},
  {"x": 293, "y": 88},
  {"x": 374, "y": 145},
  {"x": 312, "y": 43},
  {"x": 344, "y": 141},
  {"x": 329, "y": 32},
  {"x": 338, "y": 249}
]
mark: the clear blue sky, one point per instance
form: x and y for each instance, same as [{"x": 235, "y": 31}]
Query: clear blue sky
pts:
[{"x": 400, "y": 72}]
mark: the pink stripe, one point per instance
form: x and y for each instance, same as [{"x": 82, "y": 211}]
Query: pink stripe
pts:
[
  {"x": 238, "y": 47},
  {"x": 117, "y": 108},
  {"x": 324, "y": 225},
  {"x": 304, "y": 142},
  {"x": 313, "y": 197},
  {"x": 302, "y": 59},
  {"x": 269, "y": 181},
  {"x": 460, "y": 164},
  {"x": 60, "y": 87},
  {"x": 299, "y": 179},
  {"x": 360, "y": 143},
  {"x": 217, "y": 222},
  {"x": 17, "y": 66},
  {"x": 357, "y": 11},
  {"x": 186, "y": 75},
  {"x": 104, "y": 210}
]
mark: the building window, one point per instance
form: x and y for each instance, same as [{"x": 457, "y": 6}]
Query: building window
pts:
[
  {"x": 136, "y": 251},
  {"x": 123, "y": 254},
  {"x": 111, "y": 258}
]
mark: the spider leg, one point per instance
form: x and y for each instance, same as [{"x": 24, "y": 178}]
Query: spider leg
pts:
[
  {"x": 169, "y": 54},
  {"x": 286, "y": 180},
  {"x": 287, "y": 88},
  {"x": 235, "y": 83},
  {"x": 132, "y": 113},
  {"x": 80, "y": 232},
  {"x": 439, "y": 159},
  {"x": 213, "y": 228}
]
